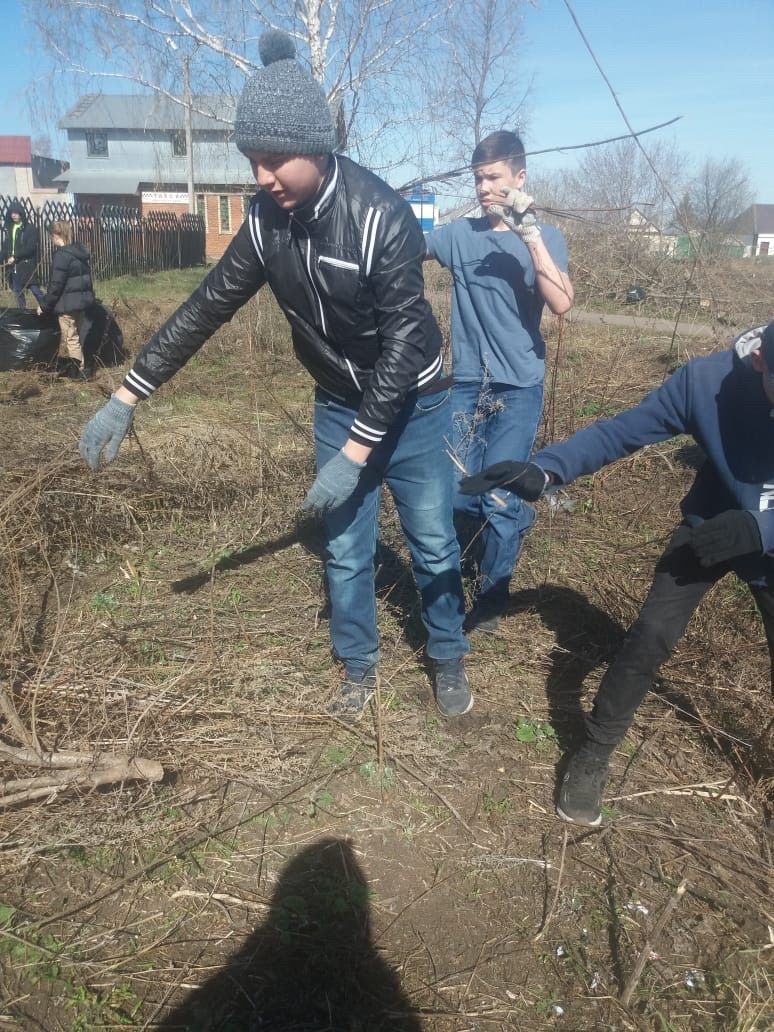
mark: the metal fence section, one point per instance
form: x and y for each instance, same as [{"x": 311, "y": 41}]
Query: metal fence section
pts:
[{"x": 120, "y": 241}]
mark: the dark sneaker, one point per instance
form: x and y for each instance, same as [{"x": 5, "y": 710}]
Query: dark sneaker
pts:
[
  {"x": 580, "y": 794},
  {"x": 452, "y": 691},
  {"x": 353, "y": 696},
  {"x": 484, "y": 618},
  {"x": 75, "y": 371}
]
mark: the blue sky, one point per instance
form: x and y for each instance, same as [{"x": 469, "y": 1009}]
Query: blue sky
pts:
[{"x": 706, "y": 60}]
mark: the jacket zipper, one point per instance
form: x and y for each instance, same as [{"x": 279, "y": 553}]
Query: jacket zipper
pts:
[
  {"x": 317, "y": 293},
  {"x": 309, "y": 270}
]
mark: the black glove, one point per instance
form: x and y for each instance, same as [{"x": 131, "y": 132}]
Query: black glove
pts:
[
  {"x": 726, "y": 536},
  {"x": 524, "y": 479}
]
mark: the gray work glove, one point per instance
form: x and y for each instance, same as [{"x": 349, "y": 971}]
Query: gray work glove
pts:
[
  {"x": 106, "y": 430},
  {"x": 334, "y": 484},
  {"x": 518, "y": 213}
]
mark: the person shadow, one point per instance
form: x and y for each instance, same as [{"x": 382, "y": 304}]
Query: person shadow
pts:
[
  {"x": 312, "y": 966},
  {"x": 586, "y": 638}
]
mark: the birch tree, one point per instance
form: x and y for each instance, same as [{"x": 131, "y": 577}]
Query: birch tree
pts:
[
  {"x": 363, "y": 52},
  {"x": 474, "y": 80}
]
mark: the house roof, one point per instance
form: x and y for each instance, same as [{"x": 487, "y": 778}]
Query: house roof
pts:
[
  {"x": 130, "y": 183},
  {"x": 15, "y": 150},
  {"x": 763, "y": 215},
  {"x": 95, "y": 183},
  {"x": 147, "y": 111},
  {"x": 468, "y": 209},
  {"x": 758, "y": 218}
]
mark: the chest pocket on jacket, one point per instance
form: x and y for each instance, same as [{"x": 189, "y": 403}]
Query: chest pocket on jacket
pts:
[{"x": 339, "y": 278}]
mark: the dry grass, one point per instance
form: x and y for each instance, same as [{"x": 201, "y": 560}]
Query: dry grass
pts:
[{"x": 173, "y": 607}]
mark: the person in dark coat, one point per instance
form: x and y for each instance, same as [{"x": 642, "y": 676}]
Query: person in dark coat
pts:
[
  {"x": 70, "y": 292},
  {"x": 725, "y": 401},
  {"x": 20, "y": 254}
]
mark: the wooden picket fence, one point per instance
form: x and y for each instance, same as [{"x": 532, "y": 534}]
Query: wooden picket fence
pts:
[{"x": 119, "y": 240}]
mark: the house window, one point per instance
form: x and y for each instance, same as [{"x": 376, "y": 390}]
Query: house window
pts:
[
  {"x": 225, "y": 213},
  {"x": 764, "y": 247},
  {"x": 247, "y": 200},
  {"x": 201, "y": 207},
  {"x": 179, "y": 148},
  {"x": 96, "y": 143}
]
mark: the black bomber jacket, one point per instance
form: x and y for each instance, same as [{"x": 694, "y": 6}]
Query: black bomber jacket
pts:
[{"x": 346, "y": 269}]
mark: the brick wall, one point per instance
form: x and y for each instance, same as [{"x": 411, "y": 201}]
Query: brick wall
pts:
[{"x": 217, "y": 237}]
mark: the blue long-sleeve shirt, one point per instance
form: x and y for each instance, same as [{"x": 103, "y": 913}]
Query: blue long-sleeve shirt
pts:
[{"x": 719, "y": 400}]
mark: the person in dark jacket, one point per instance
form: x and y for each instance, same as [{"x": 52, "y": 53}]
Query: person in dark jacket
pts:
[
  {"x": 70, "y": 293},
  {"x": 20, "y": 254},
  {"x": 342, "y": 253},
  {"x": 725, "y": 401}
]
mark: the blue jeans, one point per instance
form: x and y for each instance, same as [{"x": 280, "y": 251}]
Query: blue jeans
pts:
[
  {"x": 18, "y": 289},
  {"x": 412, "y": 461},
  {"x": 492, "y": 422}
]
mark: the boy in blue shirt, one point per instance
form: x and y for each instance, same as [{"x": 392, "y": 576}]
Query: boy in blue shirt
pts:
[
  {"x": 505, "y": 267},
  {"x": 725, "y": 401}
]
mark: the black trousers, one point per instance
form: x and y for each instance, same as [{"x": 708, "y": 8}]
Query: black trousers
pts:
[{"x": 679, "y": 584}]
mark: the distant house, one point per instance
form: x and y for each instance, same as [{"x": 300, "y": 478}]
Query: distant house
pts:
[
  {"x": 24, "y": 174},
  {"x": 469, "y": 209},
  {"x": 755, "y": 230},
  {"x": 130, "y": 150},
  {"x": 645, "y": 231}
]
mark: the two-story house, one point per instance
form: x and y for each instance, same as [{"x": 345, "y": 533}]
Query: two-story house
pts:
[
  {"x": 755, "y": 230},
  {"x": 130, "y": 150},
  {"x": 27, "y": 175}
]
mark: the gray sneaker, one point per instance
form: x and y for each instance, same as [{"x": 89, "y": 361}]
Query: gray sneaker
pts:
[
  {"x": 580, "y": 794},
  {"x": 452, "y": 691},
  {"x": 352, "y": 698}
]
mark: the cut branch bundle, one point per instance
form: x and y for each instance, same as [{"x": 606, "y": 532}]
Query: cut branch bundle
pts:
[{"x": 69, "y": 769}]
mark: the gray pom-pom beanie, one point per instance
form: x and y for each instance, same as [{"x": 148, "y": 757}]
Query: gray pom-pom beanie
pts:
[{"x": 282, "y": 109}]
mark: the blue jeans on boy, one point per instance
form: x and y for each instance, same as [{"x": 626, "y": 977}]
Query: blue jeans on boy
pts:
[
  {"x": 412, "y": 461},
  {"x": 18, "y": 288},
  {"x": 493, "y": 422}
]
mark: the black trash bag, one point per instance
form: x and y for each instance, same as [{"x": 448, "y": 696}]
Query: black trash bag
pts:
[
  {"x": 635, "y": 294},
  {"x": 27, "y": 340},
  {"x": 103, "y": 340}
]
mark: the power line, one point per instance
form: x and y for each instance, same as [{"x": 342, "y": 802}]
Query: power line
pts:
[{"x": 465, "y": 169}]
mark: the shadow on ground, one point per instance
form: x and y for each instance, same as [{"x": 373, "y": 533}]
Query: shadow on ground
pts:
[
  {"x": 311, "y": 966},
  {"x": 586, "y": 637}
]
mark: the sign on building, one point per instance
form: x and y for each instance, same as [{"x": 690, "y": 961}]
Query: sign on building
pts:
[{"x": 151, "y": 197}]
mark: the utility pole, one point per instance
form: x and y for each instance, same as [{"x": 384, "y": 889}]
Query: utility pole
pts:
[{"x": 189, "y": 134}]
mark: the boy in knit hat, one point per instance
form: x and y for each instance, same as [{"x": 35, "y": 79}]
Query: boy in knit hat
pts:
[
  {"x": 725, "y": 401},
  {"x": 342, "y": 254}
]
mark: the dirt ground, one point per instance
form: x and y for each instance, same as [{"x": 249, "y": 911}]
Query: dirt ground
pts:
[{"x": 410, "y": 874}]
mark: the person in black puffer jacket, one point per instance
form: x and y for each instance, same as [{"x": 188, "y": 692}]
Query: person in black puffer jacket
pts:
[
  {"x": 20, "y": 254},
  {"x": 70, "y": 292}
]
